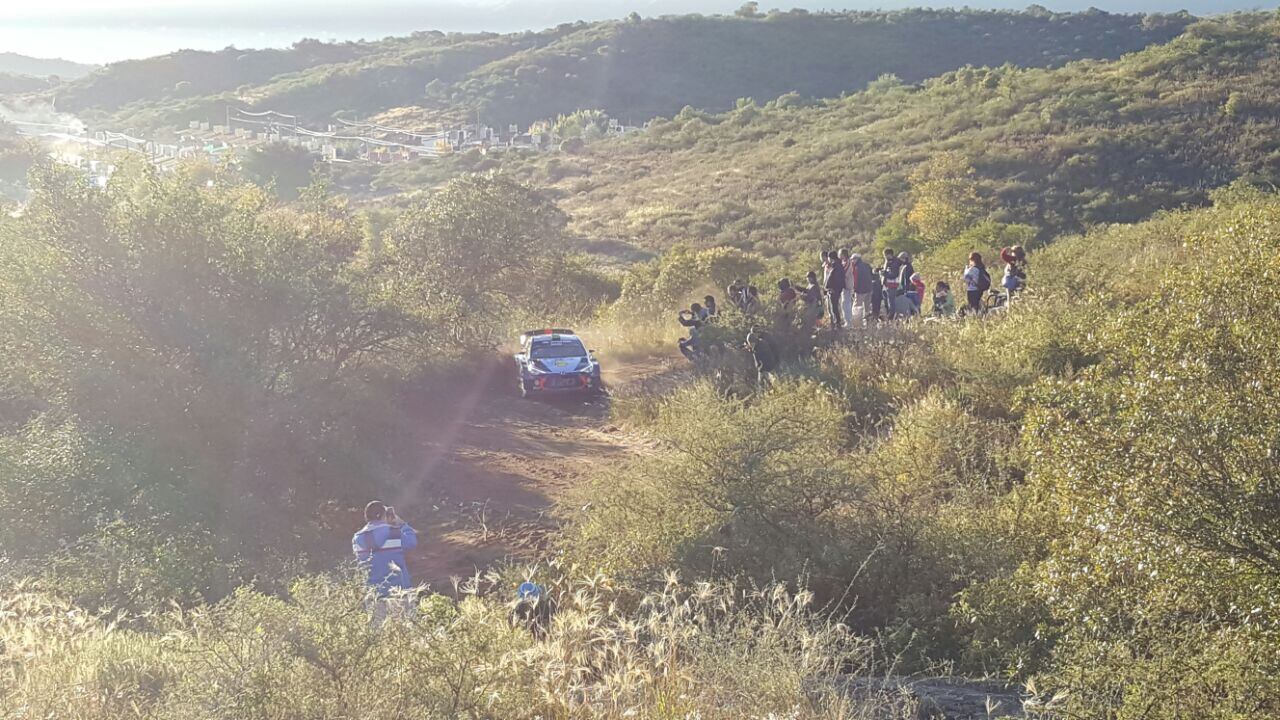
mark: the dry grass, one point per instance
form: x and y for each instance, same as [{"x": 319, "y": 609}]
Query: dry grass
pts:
[{"x": 682, "y": 651}]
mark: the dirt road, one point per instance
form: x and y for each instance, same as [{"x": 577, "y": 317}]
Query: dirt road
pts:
[{"x": 494, "y": 464}]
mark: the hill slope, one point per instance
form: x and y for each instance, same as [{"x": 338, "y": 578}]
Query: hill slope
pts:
[
  {"x": 15, "y": 64},
  {"x": 634, "y": 69},
  {"x": 1058, "y": 149}
]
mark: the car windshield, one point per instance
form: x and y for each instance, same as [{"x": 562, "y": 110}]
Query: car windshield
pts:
[{"x": 566, "y": 349}]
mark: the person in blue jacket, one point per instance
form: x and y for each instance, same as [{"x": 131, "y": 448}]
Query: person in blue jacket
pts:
[{"x": 380, "y": 545}]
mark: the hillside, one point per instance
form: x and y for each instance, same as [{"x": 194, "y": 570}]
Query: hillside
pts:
[
  {"x": 11, "y": 84},
  {"x": 180, "y": 76},
  {"x": 202, "y": 386},
  {"x": 634, "y": 69},
  {"x": 1064, "y": 503},
  {"x": 1058, "y": 149},
  {"x": 15, "y": 64}
]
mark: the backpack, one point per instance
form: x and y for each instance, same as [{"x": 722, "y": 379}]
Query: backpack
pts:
[{"x": 984, "y": 280}]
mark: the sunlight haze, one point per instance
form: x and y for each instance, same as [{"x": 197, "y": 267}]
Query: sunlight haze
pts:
[{"x": 100, "y": 32}]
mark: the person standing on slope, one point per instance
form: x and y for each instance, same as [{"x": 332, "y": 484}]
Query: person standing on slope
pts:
[
  {"x": 786, "y": 293},
  {"x": 812, "y": 299},
  {"x": 846, "y": 304},
  {"x": 906, "y": 290},
  {"x": 890, "y": 275},
  {"x": 834, "y": 284},
  {"x": 380, "y": 546},
  {"x": 762, "y": 354},
  {"x": 976, "y": 281},
  {"x": 862, "y": 281},
  {"x": 1015, "y": 270}
]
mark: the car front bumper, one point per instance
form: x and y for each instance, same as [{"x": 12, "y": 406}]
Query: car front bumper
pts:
[{"x": 560, "y": 383}]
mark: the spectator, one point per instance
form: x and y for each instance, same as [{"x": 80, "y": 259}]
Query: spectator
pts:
[
  {"x": 877, "y": 297},
  {"x": 1015, "y": 269},
  {"x": 532, "y": 609},
  {"x": 905, "y": 272},
  {"x": 709, "y": 307},
  {"x": 813, "y": 298},
  {"x": 737, "y": 293},
  {"x": 846, "y": 298},
  {"x": 917, "y": 291},
  {"x": 786, "y": 293},
  {"x": 861, "y": 279},
  {"x": 751, "y": 299},
  {"x": 976, "y": 281},
  {"x": 890, "y": 279},
  {"x": 944, "y": 303},
  {"x": 763, "y": 353},
  {"x": 834, "y": 285},
  {"x": 693, "y": 318}
]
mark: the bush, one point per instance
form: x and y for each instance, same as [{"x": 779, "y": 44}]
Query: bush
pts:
[
  {"x": 1158, "y": 462},
  {"x": 677, "y": 651},
  {"x": 192, "y": 374}
]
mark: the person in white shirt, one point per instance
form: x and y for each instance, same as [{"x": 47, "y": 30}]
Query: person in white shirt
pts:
[{"x": 847, "y": 295}]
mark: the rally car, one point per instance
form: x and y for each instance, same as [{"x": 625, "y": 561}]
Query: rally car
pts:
[{"x": 555, "y": 361}]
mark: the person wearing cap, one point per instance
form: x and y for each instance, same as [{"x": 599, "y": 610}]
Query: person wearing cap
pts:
[
  {"x": 532, "y": 609},
  {"x": 380, "y": 547}
]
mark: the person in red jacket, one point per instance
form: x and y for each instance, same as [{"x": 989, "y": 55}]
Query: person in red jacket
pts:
[{"x": 786, "y": 293}]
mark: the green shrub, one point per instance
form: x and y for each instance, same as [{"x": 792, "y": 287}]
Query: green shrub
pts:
[{"x": 1158, "y": 462}]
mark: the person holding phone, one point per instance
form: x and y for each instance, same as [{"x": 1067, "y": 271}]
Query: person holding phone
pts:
[{"x": 381, "y": 544}]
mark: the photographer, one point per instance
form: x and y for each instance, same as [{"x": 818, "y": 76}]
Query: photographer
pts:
[
  {"x": 693, "y": 318},
  {"x": 380, "y": 545}
]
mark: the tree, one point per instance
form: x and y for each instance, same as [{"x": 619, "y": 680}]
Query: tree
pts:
[
  {"x": 474, "y": 254},
  {"x": 898, "y": 235},
  {"x": 749, "y": 10},
  {"x": 284, "y": 167},
  {"x": 581, "y": 124},
  {"x": 176, "y": 359},
  {"x": 944, "y": 198}
]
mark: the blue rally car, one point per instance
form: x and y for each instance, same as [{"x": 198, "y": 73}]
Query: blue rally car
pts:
[{"x": 555, "y": 361}]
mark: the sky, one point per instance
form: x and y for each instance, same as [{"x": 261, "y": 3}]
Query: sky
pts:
[{"x": 98, "y": 31}]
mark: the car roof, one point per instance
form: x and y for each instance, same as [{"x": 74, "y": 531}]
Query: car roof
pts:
[{"x": 554, "y": 339}]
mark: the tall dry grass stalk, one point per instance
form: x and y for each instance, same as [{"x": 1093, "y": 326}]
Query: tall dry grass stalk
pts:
[{"x": 682, "y": 651}]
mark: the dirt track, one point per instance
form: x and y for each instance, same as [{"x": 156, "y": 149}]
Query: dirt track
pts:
[{"x": 494, "y": 466}]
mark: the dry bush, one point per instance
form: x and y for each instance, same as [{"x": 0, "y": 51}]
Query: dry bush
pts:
[{"x": 681, "y": 651}]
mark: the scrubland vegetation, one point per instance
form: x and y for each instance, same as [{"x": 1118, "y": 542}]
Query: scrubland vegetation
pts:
[
  {"x": 195, "y": 374},
  {"x": 1077, "y": 495},
  {"x": 633, "y": 69},
  {"x": 1079, "y": 492},
  {"x": 1046, "y": 151},
  {"x": 312, "y": 653}
]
